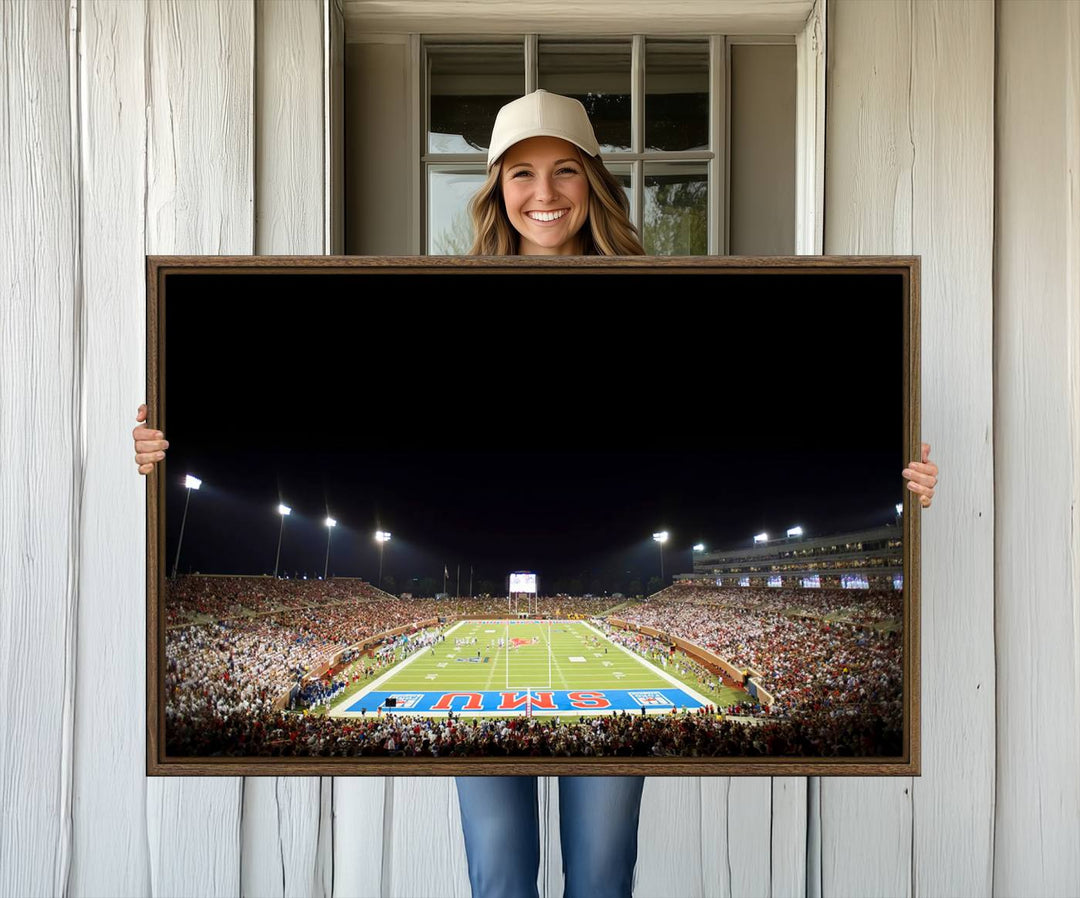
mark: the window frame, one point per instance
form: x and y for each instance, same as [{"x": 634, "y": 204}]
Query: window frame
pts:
[{"x": 809, "y": 39}]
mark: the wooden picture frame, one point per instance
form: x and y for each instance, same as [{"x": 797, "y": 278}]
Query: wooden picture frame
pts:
[{"x": 852, "y": 326}]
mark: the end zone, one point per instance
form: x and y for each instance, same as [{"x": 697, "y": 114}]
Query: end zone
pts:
[{"x": 538, "y": 702}]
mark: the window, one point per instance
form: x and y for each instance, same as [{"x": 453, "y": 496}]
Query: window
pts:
[
  {"x": 700, "y": 130},
  {"x": 659, "y": 107}
]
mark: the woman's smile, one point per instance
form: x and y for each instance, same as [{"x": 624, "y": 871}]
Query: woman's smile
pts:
[{"x": 553, "y": 215}]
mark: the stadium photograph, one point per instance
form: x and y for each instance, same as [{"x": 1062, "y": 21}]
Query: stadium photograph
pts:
[{"x": 455, "y": 537}]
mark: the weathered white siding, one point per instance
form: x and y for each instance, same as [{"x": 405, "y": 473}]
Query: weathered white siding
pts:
[
  {"x": 41, "y": 451},
  {"x": 200, "y": 199},
  {"x": 909, "y": 169},
  {"x": 953, "y": 132},
  {"x": 1037, "y": 450},
  {"x": 284, "y": 848},
  {"x": 110, "y": 788}
]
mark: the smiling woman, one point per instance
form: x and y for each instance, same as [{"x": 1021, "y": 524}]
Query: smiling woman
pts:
[{"x": 546, "y": 195}]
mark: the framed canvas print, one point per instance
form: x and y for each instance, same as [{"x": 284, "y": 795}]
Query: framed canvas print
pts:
[{"x": 590, "y": 515}]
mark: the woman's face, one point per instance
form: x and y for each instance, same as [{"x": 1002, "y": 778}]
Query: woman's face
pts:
[{"x": 546, "y": 195}]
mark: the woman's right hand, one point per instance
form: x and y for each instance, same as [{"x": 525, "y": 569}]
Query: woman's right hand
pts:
[{"x": 150, "y": 445}]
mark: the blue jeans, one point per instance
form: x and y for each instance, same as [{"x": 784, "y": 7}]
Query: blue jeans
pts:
[{"x": 598, "y": 821}]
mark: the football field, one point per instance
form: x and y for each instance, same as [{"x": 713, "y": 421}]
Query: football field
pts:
[{"x": 509, "y": 668}]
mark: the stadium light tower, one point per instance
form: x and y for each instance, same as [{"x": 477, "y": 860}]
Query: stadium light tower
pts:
[
  {"x": 192, "y": 483},
  {"x": 330, "y": 525},
  {"x": 761, "y": 538},
  {"x": 794, "y": 531},
  {"x": 382, "y": 537},
  {"x": 699, "y": 547},
  {"x": 284, "y": 511},
  {"x": 661, "y": 538}
]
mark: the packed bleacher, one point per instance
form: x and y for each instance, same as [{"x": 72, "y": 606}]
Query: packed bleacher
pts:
[
  {"x": 685, "y": 734},
  {"x": 856, "y": 605},
  {"x": 199, "y": 597},
  {"x": 246, "y": 663},
  {"x": 190, "y": 597},
  {"x": 813, "y": 667}
]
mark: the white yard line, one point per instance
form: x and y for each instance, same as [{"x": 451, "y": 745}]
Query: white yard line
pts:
[
  {"x": 652, "y": 667},
  {"x": 558, "y": 666}
]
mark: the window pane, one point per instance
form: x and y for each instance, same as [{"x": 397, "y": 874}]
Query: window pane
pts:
[
  {"x": 597, "y": 74},
  {"x": 676, "y": 209},
  {"x": 450, "y": 231},
  {"x": 468, "y": 84},
  {"x": 676, "y": 95}
]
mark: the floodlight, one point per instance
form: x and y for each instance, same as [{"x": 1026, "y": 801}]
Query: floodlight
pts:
[
  {"x": 700, "y": 547},
  {"x": 795, "y": 531},
  {"x": 899, "y": 507},
  {"x": 761, "y": 538},
  {"x": 284, "y": 511},
  {"x": 382, "y": 537},
  {"x": 192, "y": 483},
  {"x": 330, "y": 522},
  {"x": 661, "y": 537}
]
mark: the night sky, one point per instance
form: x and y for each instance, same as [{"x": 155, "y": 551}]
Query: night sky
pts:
[{"x": 544, "y": 422}]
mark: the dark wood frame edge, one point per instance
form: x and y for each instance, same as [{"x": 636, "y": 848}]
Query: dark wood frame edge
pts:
[{"x": 909, "y": 764}]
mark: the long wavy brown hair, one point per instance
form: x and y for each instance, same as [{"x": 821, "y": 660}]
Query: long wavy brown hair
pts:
[{"x": 607, "y": 231}]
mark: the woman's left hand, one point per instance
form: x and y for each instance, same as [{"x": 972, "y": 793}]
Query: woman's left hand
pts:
[{"x": 922, "y": 477}]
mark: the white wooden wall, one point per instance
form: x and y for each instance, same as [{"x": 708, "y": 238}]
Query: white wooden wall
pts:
[
  {"x": 910, "y": 153},
  {"x": 199, "y": 127},
  {"x": 1037, "y": 450}
]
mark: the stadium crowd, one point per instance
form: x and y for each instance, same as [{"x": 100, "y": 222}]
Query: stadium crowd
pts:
[
  {"x": 679, "y": 734},
  {"x": 222, "y": 597},
  {"x": 809, "y": 665},
  {"x": 855, "y": 605},
  {"x": 246, "y": 663},
  {"x": 194, "y": 597}
]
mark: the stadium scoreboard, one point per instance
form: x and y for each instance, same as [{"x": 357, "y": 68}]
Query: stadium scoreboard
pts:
[{"x": 522, "y": 581}]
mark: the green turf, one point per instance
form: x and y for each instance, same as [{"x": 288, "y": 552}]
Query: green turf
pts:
[{"x": 524, "y": 666}]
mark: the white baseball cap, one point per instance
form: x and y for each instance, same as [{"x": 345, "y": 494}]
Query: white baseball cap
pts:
[{"x": 541, "y": 114}]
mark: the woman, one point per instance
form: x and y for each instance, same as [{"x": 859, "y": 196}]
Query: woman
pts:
[{"x": 548, "y": 193}]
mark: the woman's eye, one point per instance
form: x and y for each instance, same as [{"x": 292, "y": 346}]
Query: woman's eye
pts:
[{"x": 569, "y": 171}]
